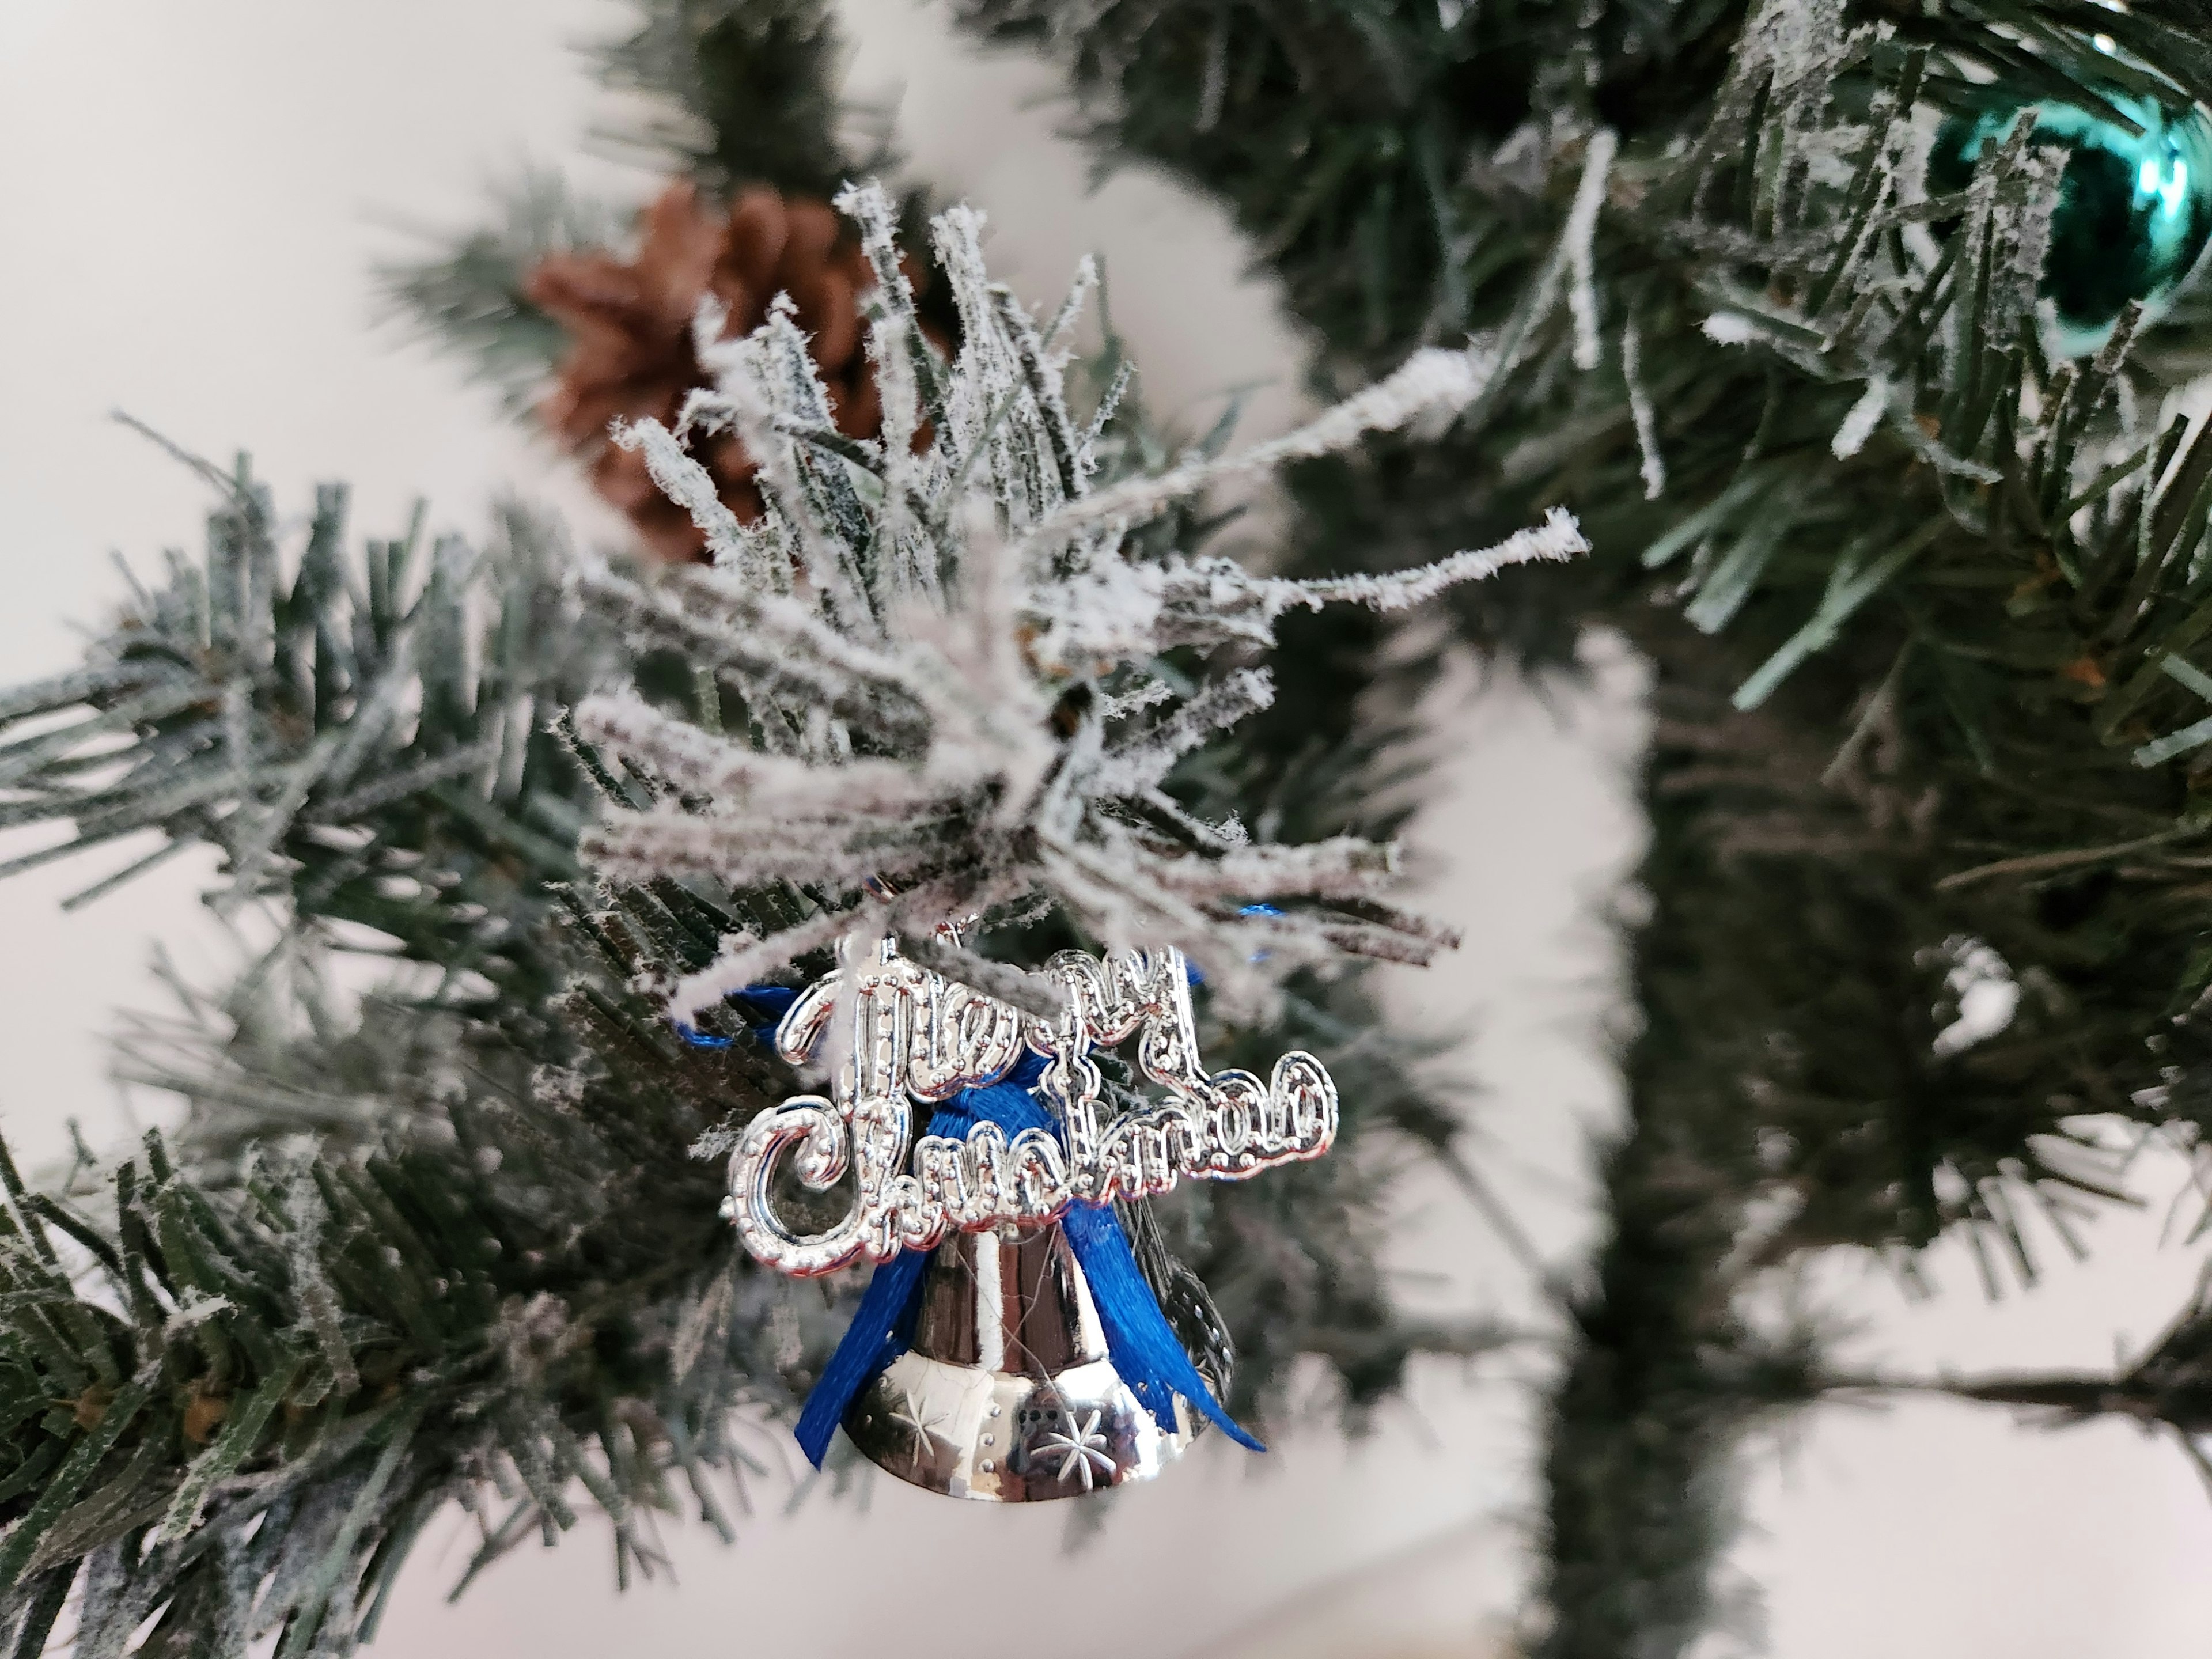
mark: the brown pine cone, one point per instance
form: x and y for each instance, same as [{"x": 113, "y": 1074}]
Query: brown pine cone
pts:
[{"x": 630, "y": 324}]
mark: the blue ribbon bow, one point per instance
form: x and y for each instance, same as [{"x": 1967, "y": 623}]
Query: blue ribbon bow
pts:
[{"x": 1143, "y": 1346}]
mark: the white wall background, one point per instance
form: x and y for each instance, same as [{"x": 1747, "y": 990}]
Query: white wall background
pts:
[{"x": 190, "y": 197}]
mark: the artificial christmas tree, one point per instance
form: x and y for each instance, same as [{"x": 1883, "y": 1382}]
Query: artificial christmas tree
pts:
[
  {"x": 1917, "y": 567},
  {"x": 1911, "y": 533},
  {"x": 463, "y": 1245}
]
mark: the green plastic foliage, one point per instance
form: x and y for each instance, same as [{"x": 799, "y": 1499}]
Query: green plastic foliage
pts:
[
  {"x": 470, "y": 296},
  {"x": 1931, "y": 610},
  {"x": 228, "y": 1404},
  {"x": 746, "y": 92},
  {"x": 456, "y": 1240},
  {"x": 351, "y": 735},
  {"x": 1866, "y": 464},
  {"x": 1929, "y": 607}
]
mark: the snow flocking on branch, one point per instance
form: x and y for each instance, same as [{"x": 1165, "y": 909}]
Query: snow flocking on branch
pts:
[{"x": 935, "y": 660}]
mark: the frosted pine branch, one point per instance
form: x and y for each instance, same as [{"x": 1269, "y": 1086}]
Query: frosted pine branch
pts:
[
  {"x": 1865, "y": 416},
  {"x": 1581, "y": 239},
  {"x": 1558, "y": 537},
  {"x": 324, "y": 726},
  {"x": 932, "y": 670},
  {"x": 1431, "y": 383},
  {"x": 1641, "y": 414}
]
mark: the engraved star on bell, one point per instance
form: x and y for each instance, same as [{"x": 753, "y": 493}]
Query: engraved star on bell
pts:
[{"x": 1006, "y": 1395}]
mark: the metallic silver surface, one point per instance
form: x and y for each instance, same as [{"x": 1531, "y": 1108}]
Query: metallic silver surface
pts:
[
  {"x": 895, "y": 1035},
  {"x": 1006, "y": 1395}
]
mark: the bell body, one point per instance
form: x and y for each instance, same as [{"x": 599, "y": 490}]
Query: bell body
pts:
[{"x": 1006, "y": 1395}]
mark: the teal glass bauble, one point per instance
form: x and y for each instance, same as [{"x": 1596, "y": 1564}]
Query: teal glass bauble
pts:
[{"x": 2134, "y": 208}]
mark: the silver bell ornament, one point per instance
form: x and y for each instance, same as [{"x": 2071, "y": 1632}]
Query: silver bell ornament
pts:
[
  {"x": 979, "y": 1364},
  {"x": 1006, "y": 1395}
]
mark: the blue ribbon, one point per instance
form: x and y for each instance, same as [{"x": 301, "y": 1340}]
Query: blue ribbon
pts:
[
  {"x": 762, "y": 1006},
  {"x": 1143, "y": 1345}
]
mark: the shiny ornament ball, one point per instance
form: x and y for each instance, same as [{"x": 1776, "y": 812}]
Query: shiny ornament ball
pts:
[{"x": 2134, "y": 208}]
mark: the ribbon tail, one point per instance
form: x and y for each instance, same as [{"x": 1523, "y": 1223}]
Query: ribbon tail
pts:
[
  {"x": 880, "y": 1331},
  {"x": 876, "y": 1337},
  {"x": 1144, "y": 1347}
]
